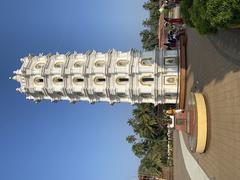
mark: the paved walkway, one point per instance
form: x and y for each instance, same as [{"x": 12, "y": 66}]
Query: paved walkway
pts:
[
  {"x": 179, "y": 169},
  {"x": 194, "y": 170},
  {"x": 217, "y": 76},
  {"x": 214, "y": 70},
  {"x": 227, "y": 43}
]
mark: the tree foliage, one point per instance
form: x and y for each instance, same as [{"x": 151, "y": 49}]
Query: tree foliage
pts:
[
  {"x": 149, "y": 39},
  {"x": 149, "y": 35},
  {"x": 131, "y": 139},
  {"x": 199, "y": 18},
  {"x": 221, "y": 13},
  {"x": 149, "y": 5},
  {"x": 149, "y": 140},
  {"x": 208, "y": 16},
  {"x": 185, "y": 11}
]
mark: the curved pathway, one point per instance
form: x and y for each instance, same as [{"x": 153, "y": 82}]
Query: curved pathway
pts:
[
  {"x": 194, "y": 170},
  {"x": 214, "y": 71}
]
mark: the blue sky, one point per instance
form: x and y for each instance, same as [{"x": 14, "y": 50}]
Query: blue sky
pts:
[{"x": 62, "y": 141}]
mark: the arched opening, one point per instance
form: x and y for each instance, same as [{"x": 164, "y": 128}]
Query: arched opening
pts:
[
  {"x": 99, "y": 63},
  {"x": 38, "y": 81},
  {"x": 99, "y": 80},
  {"x": 58, "y": 65},
  {"x": 78, "y": 64},
  {"x": 78, "y": 80},
  {"x": 146, "y": 62},
  {"x": 122, "y": 80},
  {"x": 39, "y": 65},
  {"x": 170, "y": 80},
  {"x": 57, "y": 80},
  {"x": 170, "y": 61},
  {"x": 147, "y": 80},
  {"x": 122, "y": 63}
]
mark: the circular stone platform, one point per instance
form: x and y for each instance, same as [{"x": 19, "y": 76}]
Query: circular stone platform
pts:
[{"x": 196, "y": 127}]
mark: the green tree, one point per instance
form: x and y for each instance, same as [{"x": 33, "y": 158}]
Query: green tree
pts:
[
  {"x": 149, "y": 5},
  {"x": 150, "y": 140},
  {"x": 140, "y": 149},
  {"x": 131, "y": 139},
  {"x": 146, "y": 123},
  {"x": 227, "y": 12},
  {"x": 147, "y": 23},
  {"x": 185, "y": 7},
  {"x": 149, "y": 39},
  {"x": 143, "y": 126},
  {"x": 199, "y": 17},
  {"x": 151, "y": 164},
  {"x": 207, "y": 16},
  {"x": 163, "y": 119}
]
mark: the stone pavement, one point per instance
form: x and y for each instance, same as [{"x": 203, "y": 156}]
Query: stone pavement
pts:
[
  {"x": 215, "y": 72},
  {"x": 194, "y": 169},
  {"x": 227, "y": 43},
  {"x": 179, "y": 169}
]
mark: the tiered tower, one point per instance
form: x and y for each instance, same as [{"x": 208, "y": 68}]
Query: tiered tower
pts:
[{"x": 115, "y": 76}]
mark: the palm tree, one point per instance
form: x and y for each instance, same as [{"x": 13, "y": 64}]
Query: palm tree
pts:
[
  {"x": 140, "y": 149},
  {"x": 131, "y": 139},
  {"x": 146, "y": 123}
]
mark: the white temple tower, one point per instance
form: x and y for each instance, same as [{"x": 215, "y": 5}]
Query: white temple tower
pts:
[{"x": 115, "y": 76}]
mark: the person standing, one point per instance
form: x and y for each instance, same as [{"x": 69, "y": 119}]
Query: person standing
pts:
[{"x": 174, "y": 20}]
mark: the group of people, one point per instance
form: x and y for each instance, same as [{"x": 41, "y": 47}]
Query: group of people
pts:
[
  {"x": 167, "y": 5},
  {"x": 173, "y": 26}
]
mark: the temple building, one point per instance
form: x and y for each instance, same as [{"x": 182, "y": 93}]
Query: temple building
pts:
[{"x": 114, "y": 76}]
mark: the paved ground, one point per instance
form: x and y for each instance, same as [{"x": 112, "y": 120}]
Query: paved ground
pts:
[
  {"x": 214, "y": 69},
  {"x": 227, "y": 43},
  {"x": 179, "y": 170},
  {"x": 193, "y": 168}
]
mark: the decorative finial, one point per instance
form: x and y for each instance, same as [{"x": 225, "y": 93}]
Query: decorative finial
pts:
[
  {"x": 17, "y": 72},
  {"x": 14, "y": 78},
  {"x": 19, "y": 90}
]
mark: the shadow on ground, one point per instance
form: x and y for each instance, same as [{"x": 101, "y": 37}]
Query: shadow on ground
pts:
[
  {"x": 227, "y": 43},
  {"x": 211, "y": 58},
  {"x": 214, "y": 70}
]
